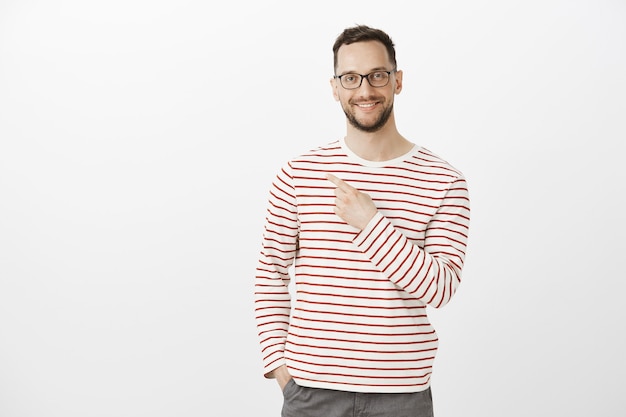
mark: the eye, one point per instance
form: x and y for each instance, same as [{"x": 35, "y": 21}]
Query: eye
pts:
[{"x": 350, "y": 78}]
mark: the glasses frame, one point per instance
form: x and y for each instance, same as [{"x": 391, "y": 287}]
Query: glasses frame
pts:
[{"x": 366, "y": 76}]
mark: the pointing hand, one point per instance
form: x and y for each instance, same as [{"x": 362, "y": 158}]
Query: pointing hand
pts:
[{"x": 353, "y": 206}]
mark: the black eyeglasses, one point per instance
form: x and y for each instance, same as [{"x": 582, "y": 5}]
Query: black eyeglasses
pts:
[{"x": 352, "y": 80}]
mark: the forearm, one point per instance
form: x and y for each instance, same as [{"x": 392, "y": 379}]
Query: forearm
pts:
[
  {"x": 272, "y": 301},
  {"x": 431, "y": 273}
]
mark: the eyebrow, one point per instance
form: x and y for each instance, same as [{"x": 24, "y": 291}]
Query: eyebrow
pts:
[{"x": 369, "y": 72}]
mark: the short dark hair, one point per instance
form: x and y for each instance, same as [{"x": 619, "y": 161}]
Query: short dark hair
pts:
[{"x": 363, "y": 33}]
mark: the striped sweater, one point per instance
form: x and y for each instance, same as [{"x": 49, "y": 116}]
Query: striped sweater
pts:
[{"x": 356, "y": 318}]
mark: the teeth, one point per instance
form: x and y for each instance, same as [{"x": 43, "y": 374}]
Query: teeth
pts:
[{"x": 366, "y": 105}]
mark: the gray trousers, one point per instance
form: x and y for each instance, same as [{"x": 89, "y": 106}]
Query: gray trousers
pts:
[{"x": 316, "y": 402}]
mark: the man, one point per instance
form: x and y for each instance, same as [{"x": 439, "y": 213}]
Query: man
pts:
[{"x": 376, "y": 228}]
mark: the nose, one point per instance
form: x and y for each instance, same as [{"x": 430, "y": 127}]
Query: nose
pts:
[{"x": 365, "y": 84}]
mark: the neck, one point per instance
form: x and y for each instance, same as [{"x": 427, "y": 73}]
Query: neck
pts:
[{"x": 383, "y": 145}]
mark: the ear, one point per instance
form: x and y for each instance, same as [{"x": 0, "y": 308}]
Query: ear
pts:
[
  {"x": 398, "y": 82},
  {"x": 334, "y": 86}
]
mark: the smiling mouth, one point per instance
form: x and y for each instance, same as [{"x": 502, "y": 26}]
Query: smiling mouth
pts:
[{"x": 366, "y": 105}]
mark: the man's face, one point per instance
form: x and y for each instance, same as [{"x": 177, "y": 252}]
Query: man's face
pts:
[{"x": 367, "y": 108}]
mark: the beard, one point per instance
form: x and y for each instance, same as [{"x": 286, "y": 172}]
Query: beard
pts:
[{"x": 373, "y": 127}]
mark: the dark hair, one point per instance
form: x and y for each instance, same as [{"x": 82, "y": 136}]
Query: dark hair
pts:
[{"x": 363, "y": 33}]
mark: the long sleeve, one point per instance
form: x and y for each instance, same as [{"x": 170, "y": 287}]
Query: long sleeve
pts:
[
  {"x": 432, "y": 273},
  {"x": 272, "y": 297}
]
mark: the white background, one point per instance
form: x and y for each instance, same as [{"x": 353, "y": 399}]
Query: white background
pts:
[{"x": 137, "y": 143}]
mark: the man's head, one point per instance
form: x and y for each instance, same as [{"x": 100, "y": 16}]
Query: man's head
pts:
[
  {"x": 366, "y": 78},
  {"x": 364, "y": 33}
]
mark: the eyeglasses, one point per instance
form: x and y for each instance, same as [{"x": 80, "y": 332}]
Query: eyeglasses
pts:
[{"x": 352, "y": 80}]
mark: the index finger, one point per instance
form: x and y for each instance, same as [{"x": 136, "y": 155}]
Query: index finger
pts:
[
  {"x": 338, "y": 182},
  {"x": 335, "y": 180}
]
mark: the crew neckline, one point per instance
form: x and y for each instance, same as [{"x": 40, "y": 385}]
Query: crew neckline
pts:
[{"x": 366, "y": 162}]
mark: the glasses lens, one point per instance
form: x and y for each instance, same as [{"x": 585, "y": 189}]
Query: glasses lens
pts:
[
  {"x": 378, "y": 78},
  {"x": 350, "y": 80}
]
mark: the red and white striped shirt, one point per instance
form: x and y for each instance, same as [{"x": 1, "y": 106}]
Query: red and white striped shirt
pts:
[{"x": 358, "y": 320}]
